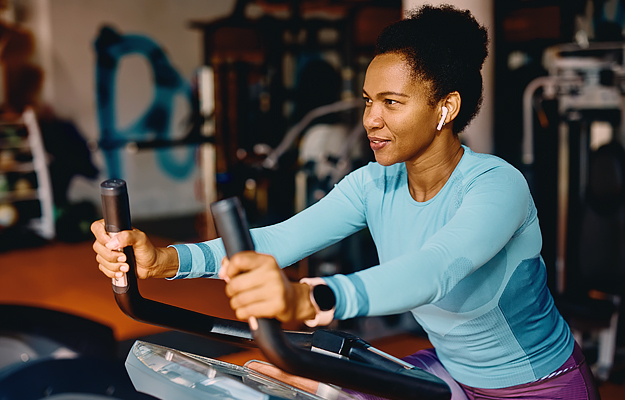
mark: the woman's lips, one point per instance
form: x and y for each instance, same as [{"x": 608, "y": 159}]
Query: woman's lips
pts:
[{"x": 377, "y": 143}]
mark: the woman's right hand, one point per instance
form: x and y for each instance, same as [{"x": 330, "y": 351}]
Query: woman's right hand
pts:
[{"x": 151, "y": 261}]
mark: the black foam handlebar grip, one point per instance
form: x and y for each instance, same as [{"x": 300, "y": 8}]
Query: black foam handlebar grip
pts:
[
  {"x": 116, "y": 212},
  {"x": 232, "y": 225},
  {"x": 115, "y": 205}
]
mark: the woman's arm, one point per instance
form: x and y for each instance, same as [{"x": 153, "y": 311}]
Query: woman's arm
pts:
[
  {"x": 495, "y": 206},
  {"x": 339, "y": 214}
]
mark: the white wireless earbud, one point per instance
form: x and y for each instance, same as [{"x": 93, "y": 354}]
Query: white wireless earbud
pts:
[{"x": 442, "y": 121}]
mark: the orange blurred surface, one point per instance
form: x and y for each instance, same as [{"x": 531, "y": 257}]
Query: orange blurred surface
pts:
[{"x": 65, "y": 277}]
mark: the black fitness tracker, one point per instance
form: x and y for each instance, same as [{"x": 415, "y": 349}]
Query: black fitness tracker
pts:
[{"x": 324, "y": 297}]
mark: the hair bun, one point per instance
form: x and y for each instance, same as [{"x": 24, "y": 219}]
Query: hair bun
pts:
[
  {"x": 456, "y": 32},
  {"x": 473, "y": 42}
]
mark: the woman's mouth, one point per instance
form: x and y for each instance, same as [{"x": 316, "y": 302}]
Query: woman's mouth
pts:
[{"x": 377, "y": 144}]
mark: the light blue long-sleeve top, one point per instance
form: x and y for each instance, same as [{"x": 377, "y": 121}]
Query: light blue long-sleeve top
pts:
[{"x": 466, "y": 263}]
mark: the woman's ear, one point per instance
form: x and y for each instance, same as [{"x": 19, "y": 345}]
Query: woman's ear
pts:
[{"x": 452, "y": 103}]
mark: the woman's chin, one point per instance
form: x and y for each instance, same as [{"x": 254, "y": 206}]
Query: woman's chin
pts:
[{"x": 385, "y": 162}]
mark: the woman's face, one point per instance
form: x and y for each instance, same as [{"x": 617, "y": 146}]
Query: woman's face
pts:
[{"x": 400, "y": 124}]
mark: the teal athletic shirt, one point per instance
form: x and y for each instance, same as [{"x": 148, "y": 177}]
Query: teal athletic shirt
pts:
[{"x": 466, "y": 263}]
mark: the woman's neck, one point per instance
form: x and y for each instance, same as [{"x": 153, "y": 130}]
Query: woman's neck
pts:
[{"x": 428, "y": 174}]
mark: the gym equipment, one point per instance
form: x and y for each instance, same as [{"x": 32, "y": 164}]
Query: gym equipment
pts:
[
  {"x": 51, "y": 354},
  {"x": 354, "y": 364},
  {"x": 68, "y": 379},
  {"x": 573, "y": 147}
]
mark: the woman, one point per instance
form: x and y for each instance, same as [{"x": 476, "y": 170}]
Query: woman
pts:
[{"x": 456, "y": 232}]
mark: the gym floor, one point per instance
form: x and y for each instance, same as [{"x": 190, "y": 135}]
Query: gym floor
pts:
[{"x": 65, "y": 277}]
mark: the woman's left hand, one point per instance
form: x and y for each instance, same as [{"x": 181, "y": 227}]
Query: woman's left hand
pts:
[{"x": 257, "y": 287}]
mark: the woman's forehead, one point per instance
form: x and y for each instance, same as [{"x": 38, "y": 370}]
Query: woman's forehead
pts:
[{"x": 391, "y": 72}]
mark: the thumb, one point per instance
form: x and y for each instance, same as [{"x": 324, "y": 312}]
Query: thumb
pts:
[
  {"x": 223, "y": 270},
  {"x": 113, "y": 244},
  {"x": 122, "y": 239}
]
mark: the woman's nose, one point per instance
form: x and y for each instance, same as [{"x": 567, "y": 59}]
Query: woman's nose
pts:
[{"x": 371, "y": 119}]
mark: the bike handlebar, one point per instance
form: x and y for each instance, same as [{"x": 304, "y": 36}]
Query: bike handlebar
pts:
[
  {"x": 116, "y": 212},
  {"x": 278, "y": 346}
]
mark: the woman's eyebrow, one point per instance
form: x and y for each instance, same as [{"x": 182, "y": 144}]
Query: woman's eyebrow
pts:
[{"x": 388, "y": 93}]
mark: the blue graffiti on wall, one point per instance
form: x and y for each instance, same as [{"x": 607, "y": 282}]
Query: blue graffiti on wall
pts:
[{"x": 155, "y": 122}]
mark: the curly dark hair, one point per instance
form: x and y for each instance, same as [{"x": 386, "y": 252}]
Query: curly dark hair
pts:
[{"x": 446, "y": 48}]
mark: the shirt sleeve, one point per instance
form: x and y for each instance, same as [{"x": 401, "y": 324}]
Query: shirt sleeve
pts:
[
  {"x": 339, "y": 214},
  {"x": 494, "y": 207}
]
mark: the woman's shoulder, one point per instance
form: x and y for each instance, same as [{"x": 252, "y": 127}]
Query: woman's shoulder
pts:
[
  {"x": 474, "y": 164},
  {"x": 487, "y": 170}
]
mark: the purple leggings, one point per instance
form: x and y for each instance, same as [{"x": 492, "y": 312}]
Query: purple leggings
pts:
[{"x": 572, "y": 381}]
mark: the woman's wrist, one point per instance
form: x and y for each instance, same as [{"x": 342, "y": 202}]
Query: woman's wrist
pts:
[
  {"x": 166, "y": 262},
  {"x": 305, "y": 308},
  {"x": 321, "y": 316}
]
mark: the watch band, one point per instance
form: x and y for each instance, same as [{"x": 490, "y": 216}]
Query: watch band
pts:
[{"x": 323, "y": 316}]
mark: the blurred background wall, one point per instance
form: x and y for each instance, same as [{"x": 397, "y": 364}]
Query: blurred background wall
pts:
[{"x": 65, "y": 33}]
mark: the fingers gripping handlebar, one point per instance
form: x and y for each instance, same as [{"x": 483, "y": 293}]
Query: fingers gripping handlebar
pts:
[
  {"x": 284, "y": 349},
  {"x": 116, "y": 212}
]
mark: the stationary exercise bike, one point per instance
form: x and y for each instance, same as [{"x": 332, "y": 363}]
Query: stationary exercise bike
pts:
[{"x": 337, "y": 359}]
